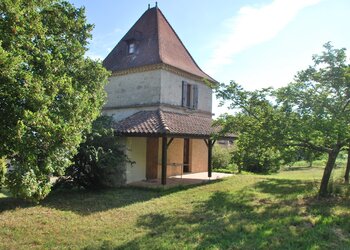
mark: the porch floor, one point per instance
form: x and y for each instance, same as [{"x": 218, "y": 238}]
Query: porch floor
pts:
[{"x": 178, "y": 180}]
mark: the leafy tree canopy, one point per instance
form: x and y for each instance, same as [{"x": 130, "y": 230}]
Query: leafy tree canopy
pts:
[
  {"x": 257, "y": 122},
  {"x": 49, "y": 92},
  {"x": 318, "y": 101},
  {"x": 313, "y": 112}
]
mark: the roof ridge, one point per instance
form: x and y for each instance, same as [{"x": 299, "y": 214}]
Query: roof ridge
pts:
[
  {"x": 157, "y": 30},
  {"x": 177, "y": 36},
  {"x": 162, "y": 120}
]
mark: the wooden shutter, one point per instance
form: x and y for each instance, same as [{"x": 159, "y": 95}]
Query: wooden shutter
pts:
[
  {"x": 195, "y": 96},
  {"x": 184, "y": 93}
]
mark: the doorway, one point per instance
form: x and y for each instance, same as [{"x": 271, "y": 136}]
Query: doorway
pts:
[
  {"x": 152, "y": 158},
  {"x": 186, "y": 163}
]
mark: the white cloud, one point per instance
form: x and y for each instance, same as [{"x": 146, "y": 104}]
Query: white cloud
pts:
[
  {"x": 94, "y": 56},
  {"x": 252, "y": 26}
]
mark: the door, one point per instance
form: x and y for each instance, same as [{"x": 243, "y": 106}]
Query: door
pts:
[
  {"x": 152, "y": 158},
  {"x": 186, "y": 163}
]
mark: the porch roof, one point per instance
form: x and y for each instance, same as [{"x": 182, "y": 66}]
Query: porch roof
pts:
[{"x": 159, "y": 123}]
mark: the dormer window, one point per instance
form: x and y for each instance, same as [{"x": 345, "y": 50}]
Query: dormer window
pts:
[{"x": 131, "y": 47}]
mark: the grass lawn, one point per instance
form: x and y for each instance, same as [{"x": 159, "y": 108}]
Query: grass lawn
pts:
[{"x": 244, "y": 211}]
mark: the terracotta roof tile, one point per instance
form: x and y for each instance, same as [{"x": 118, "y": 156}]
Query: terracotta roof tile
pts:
[
  {"x": 164, "y": 122},
  {"x": 160, "y": 122},
  {"x": 156, "y": 43}
]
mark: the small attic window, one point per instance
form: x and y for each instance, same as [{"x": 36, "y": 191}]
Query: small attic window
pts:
[{"x": 131, "y": 47}]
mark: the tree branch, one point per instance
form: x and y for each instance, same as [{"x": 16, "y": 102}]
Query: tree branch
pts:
[{"x": 306, "y": 144}]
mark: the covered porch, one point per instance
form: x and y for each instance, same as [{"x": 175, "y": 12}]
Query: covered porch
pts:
[{"x": 176, "y": 144}]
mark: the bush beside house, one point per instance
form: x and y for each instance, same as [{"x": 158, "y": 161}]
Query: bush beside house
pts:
[{"x": 100, "y": 162}]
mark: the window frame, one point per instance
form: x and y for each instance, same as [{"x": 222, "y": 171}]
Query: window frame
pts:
[
  {"x": 189, "y": 95},
  {"x": 131, "y": 47}
]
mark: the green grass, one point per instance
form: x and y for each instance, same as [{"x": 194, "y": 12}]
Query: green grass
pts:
[
  {"x": 230, "y": 169},
  {"x": 242, "y": 212}
]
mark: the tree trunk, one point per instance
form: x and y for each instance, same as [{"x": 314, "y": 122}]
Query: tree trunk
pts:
[
  {"x": 347, "y": 170},
  {"x": 332, "y": 156},
  {"x": 311, "y": 159},
  {"x": 239, "y": 168},
  {"x": 310, "y": 163}
]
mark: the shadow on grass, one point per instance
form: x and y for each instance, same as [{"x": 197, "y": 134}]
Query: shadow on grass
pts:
[
  {"x": 280, "y": 188},
  {"x": 296, "y": 168},
  {"x": 248, "y": 220},
  {"x": 9, "y": 203},
  {"x": 85, "y": 202}
]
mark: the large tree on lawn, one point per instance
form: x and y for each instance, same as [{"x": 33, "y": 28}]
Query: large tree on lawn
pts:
[
  {"x": 313, "y": 113},
  {"x": 317, "y": 107},
  {"x": 49, "y": 92},
  {"x": 347, "y": 169}
]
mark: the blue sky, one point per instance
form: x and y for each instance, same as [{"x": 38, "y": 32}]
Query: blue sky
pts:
[{"x": 258, "y": 43}]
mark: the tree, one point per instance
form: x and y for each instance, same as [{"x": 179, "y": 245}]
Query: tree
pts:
[
  {"x": 347, "y": 169},
  {"x": 100, "y": 161},
  {"x": 313, "y": 112},
  {"x": 256, "y": 121},
  {"x": 49, "y": 92},
  {"x": 317, "y": 107}
]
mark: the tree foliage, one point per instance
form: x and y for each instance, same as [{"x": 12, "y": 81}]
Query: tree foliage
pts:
[
  {"x": 100, "y": 161},
  {"x": 317, "y": 107},
  {"x": 221, "y": 156},
  {"x": 312, "y": 113},
  {"x": 49, "y": 92},
  {"x": 257, "y": 122}
]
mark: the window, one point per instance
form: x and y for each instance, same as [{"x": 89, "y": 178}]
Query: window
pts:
[
  {"x": 189, "y": 95},
  {"x": 131, "y": 47}
]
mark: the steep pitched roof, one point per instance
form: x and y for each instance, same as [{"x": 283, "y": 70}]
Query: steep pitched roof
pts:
[
  {"x": 160, "y": 122},
  {"x": 156, "y": 43}
]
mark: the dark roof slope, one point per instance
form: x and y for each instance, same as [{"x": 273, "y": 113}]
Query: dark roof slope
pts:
[
  {"x": 160, "y": 122},
  {"x": 156, "y": 43}
]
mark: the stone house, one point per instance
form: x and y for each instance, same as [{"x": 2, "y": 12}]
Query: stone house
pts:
[{"x": 160, "y": 102}]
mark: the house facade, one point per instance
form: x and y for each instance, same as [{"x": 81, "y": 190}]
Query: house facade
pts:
[{"x": 160, "y": 102}]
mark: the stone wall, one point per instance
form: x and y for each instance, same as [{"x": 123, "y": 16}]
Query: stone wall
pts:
[
  {"x": 128, "y": 94},
  {"x": 133, "y": 89},
  {"x": 171, "y": 91}
]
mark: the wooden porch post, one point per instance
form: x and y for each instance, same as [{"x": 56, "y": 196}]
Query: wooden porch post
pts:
[
  {"x": 164, "y": 158},
  {"x": 210, "y": 147}
]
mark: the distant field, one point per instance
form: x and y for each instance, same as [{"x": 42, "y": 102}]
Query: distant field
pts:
[{"x": 277, "y": 211}]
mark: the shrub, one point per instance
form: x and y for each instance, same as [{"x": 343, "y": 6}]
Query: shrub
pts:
[
  {"x": 229, "y": 169},
  {"x": 257, "y": 160},
  {"x": 221, "y": 157},
  {"x": 100, "y": 162}
]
